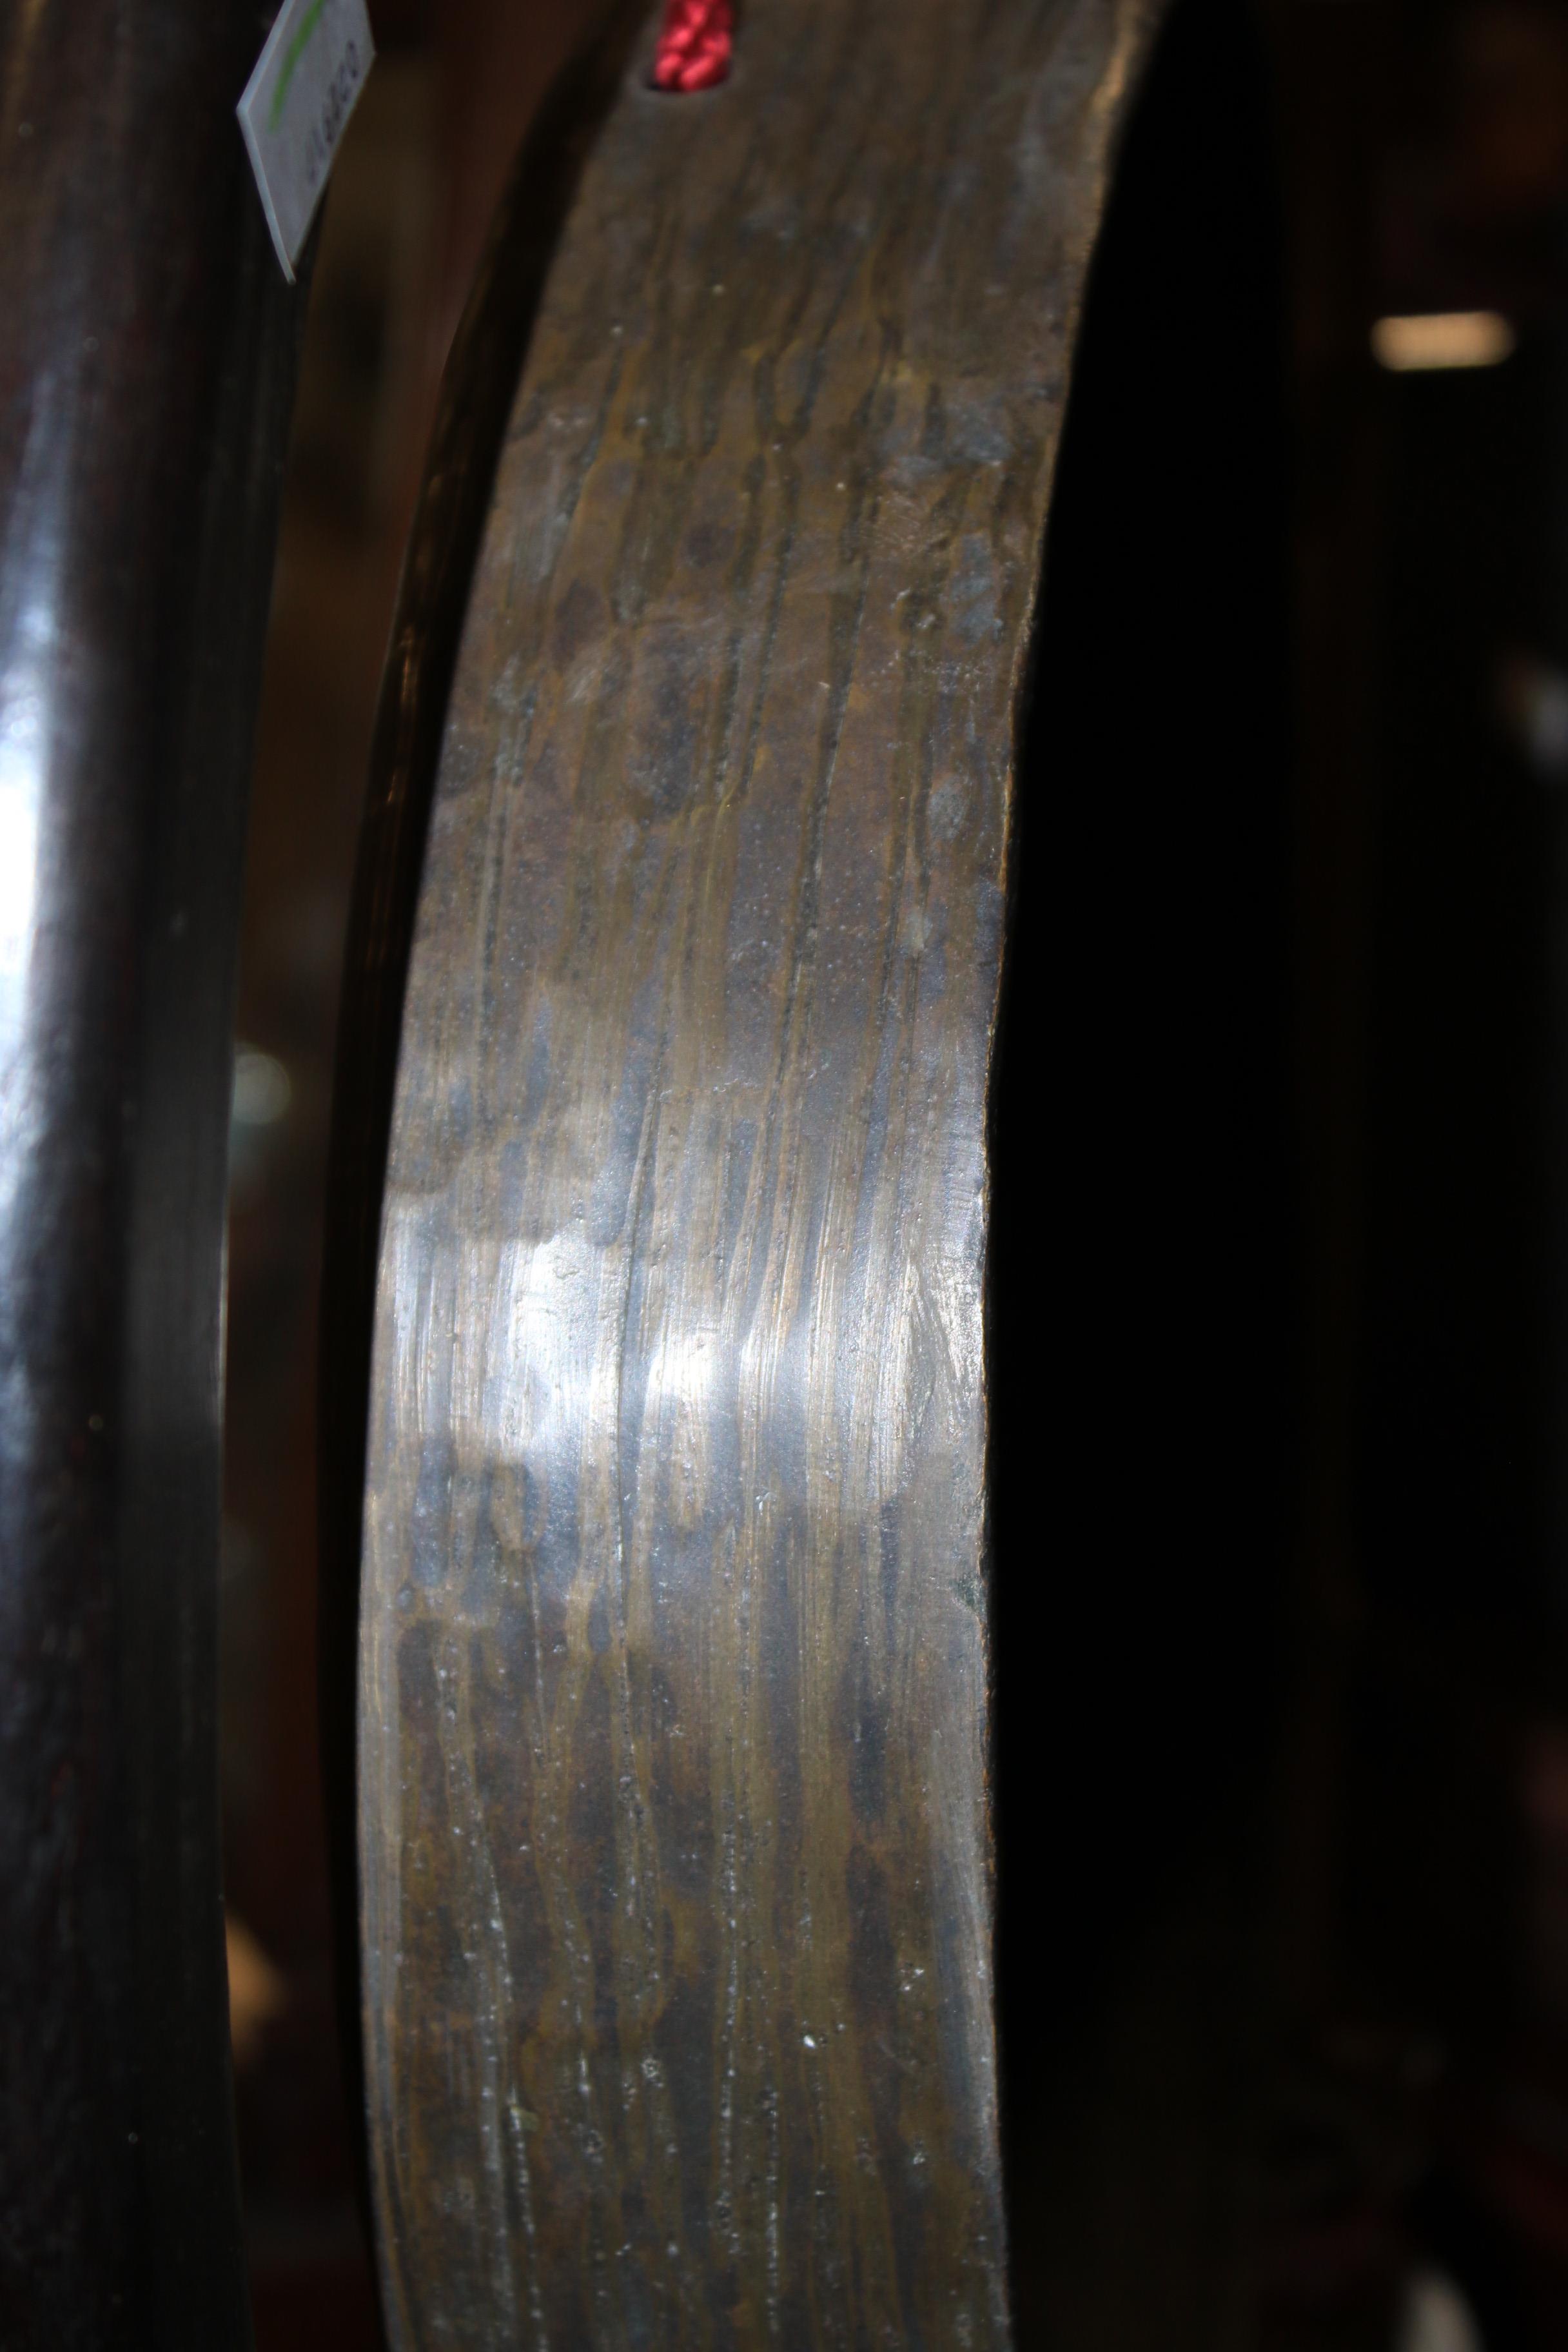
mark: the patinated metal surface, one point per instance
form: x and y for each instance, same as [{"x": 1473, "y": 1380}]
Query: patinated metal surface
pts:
[
  {"x": 476, "y": 393},
  {"x": 675, "y": 1877},
  {"x": 146, "y": 372}
]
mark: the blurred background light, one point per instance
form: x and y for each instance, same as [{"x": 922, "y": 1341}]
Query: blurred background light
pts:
[
  {"x": 261, "y": 1088},
  {"x": 1442, "y": 338}
]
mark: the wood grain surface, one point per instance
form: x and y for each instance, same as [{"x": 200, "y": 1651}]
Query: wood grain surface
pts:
[{"x": 676, "y": 1906}]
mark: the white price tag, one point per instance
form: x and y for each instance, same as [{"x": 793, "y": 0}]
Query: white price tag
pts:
[{"x": 295, "y": 107}]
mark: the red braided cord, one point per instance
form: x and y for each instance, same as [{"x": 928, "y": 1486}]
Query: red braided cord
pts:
[{"x": 694, "y": 48}]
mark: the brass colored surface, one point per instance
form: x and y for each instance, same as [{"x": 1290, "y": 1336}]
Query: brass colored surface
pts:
[{"x": 674, "y": 1847}]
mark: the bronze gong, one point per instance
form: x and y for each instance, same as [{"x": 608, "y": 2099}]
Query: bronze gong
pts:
[{"x": 674, "y": 1852}]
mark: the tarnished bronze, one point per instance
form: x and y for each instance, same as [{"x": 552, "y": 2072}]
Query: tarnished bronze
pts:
[
  {"x": 476, "y": 392},
  {"x": 676, "y": 1901}
]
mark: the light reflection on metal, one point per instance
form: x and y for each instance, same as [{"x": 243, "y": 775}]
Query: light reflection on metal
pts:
[
  {"x": 150, "y": 356},
  {"x": 18, "y": 865},
  {"x": 1442, "y": 338},
  {"x": 22, "y": 765}
]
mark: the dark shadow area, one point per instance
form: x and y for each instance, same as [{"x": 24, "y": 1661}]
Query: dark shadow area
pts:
[
  {"x": 1280, "y": 1272},
  {"x": 1143, "y": 1279},
  {"x": 1452, "y": 1491}
]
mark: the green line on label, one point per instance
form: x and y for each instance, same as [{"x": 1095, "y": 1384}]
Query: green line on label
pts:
[{"x": 291, "y": 57}]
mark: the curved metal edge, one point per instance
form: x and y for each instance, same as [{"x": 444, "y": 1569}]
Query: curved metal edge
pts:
[
  {"x": 146, "y": 382},
  {"x": 476, "y": 390},
  {"x": 1116, "y": 97}
]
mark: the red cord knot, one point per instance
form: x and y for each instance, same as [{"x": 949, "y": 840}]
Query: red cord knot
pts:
[{"x": 694, "y": 48}]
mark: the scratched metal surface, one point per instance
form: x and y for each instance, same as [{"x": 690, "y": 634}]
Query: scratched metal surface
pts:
[{"x": 675, "y": 1871}]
